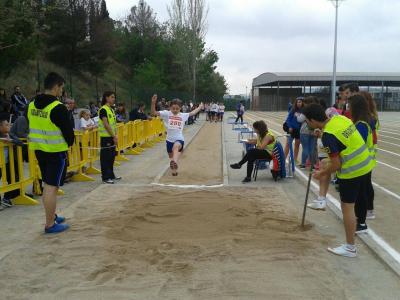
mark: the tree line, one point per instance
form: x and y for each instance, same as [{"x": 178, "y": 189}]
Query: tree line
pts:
[{"x": 80, "y": 36}]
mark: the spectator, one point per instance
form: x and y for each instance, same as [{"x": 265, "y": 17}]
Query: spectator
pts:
[
  {"x": 85, "y": 122},
  {"x": 20, "y": 130},
  {"x": 121, "y": 113},
  {"x": 294, "y": 127},
  {"x": 221, "y": 111},
  {"x": 349, "y": 90},
  {"x": 18, "y": 101},
  {"x": 138, "y": 113},
  {"x": 5, "y": 104},
  {"x": 93, "y": 109},
  {"x": 214, "y": 112},
  {"x": 70, "y": 104}
]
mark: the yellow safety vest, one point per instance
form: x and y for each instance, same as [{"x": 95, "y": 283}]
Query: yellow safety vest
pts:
[
  {"x": 356, "y": 159},
  {"x": 112, "y": 120},
  {"x": 270, "y": 147},
  {"x": 370, "y": 141},
  {"x": 44, "y": 135}
]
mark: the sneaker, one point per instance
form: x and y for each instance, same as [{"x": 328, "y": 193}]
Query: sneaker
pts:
[
  {"x": 361, "y": 228},
  {"x": 7, "y": 203},
  {"x": 108, "y": 181},
  {"x": 117, "y": 178},
  {"x": 235, "y": 166},
  {"x": 59, "y": 219},
  {"x": 344, "y": 250},
  {"x": 246, "y": 179},
  {"x": 370, "y": 215},
  {"x": 56, "y": 228},
  {"x": 317, "y": 205}
]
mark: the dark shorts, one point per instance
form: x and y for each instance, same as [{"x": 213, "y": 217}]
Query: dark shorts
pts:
[
  {"x": 53, "y": 167},
  {"x": 295, "y": 134},
  {"x": 170, "y": 145},
  {"x": 353, "y": 190}
]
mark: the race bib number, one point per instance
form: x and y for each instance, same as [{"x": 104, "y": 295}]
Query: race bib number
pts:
[{"x": 175, "y": 123}]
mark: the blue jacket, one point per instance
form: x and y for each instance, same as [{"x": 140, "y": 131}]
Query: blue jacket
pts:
[{"x": 291, "y": 120}]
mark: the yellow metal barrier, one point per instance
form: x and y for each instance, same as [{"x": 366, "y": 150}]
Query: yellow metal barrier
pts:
[
  {"x": 122, "y": 134},
  {"x": 13, "y": 175},
  {"x": 90, "y": 150},
  {"x": 75, "y": 161}
]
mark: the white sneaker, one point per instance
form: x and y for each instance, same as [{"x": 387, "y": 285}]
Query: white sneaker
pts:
[
  {"x": 344, "y": 250},
  {"x": 370, "y": 215},
  {"x": 317, "y": 205}
]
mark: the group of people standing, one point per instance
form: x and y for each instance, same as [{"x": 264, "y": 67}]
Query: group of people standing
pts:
[
  {"x": 214, "y": 112},
  {"x": 344, "y": 137}
]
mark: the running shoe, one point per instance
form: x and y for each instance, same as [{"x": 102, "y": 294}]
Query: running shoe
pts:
[
  {"x": 361, "y": 228},
  {"x": 108, "y": 181},
  {"x": 370, "y": 215},
  {"x": 344, "y": 250},
  {"x": 235, "y": 166},
  {"x": 173, "y": 165},
  {"x": 317, "y": 205},
  {"x": 7, "y": 203},
  {"x": 56, "y": 228},
  {"x": 117, "y": 178},
  {"x": 246, "y": 180},
  {"x": 59, "y": 219}
]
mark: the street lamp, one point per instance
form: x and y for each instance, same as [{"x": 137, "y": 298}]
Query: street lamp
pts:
[{"x": 336, "y": 4}]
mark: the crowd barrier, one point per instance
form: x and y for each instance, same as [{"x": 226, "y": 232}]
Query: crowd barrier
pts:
[{"x": 133, "y": 139}]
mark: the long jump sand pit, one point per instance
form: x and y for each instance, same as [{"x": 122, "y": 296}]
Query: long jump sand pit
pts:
[{"x": 152, "y": 242}]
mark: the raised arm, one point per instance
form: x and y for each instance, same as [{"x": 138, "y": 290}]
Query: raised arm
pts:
[
  {"x": 154, "y": 112},
  {"x": 197, "y": 110}
]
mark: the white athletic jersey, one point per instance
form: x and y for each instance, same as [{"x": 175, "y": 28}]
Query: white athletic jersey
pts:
[
  {"x": 174, "y": 125},
  {"x": 222, "y": 108},
  {"x": 214, "y": 108}
]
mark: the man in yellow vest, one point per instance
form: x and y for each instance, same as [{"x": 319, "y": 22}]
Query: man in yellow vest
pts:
[
  {"x": 108, "y": 138},
  {"x": 50, "y": 135},
  {"x": 352, "y": 162}
]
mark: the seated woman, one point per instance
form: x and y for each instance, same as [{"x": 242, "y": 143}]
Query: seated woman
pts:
[{"x": 265, "y": 144}]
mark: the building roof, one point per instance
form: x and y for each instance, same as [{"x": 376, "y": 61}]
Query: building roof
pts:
[{"x": 325, "y": 78}]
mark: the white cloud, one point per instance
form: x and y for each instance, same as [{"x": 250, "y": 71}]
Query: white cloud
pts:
[{"x": 256, "y": 36}]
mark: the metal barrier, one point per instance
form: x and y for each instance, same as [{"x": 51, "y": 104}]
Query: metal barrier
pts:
[
  {"x": 133, "y": 137},
  {"x": 13, "y": 176}
]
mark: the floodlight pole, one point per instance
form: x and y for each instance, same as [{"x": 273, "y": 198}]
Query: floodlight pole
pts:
[{"x": 333, "y": 88}]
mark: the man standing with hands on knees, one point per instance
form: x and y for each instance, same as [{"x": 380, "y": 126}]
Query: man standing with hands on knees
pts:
[
  {"x": 352, "y": 162},
  {"x": 50, "y": 135}
]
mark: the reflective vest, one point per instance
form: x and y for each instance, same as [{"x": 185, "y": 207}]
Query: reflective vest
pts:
[
  {"x": 270, "y": 147},
  {"x": 112, "y": 121},
  {"x": 370, "y": 142},
  {"x": 355, "y": 158},
  {"x": 44, "y": 135}
]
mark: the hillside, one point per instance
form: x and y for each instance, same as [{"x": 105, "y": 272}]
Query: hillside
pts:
[{"x": 83, "y": 85}]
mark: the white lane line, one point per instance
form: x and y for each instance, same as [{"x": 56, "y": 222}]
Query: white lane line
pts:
[
  {"x": 385, "y": 190},
  {"x": 389, "y": 137},
  {"x": 390, "y": 132},
  {"x": 188, "y": 186},
  {"x": 380, "y": 141},
  {"x": 390, "y": 152},
  {"x": 387, "y": 165}
]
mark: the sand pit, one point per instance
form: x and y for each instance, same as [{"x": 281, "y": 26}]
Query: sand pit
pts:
[
  {"x": 156, "y": 243},
  {"x": 201, "y": 162}
]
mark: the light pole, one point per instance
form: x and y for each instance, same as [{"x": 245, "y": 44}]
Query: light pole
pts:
[{"x": 336, "y": 4}]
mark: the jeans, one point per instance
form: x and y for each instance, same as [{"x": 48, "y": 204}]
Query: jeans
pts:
[{"x": 308, "y": 144}]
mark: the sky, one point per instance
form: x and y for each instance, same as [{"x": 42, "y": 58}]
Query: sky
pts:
[{"x": 252, "y": 37}]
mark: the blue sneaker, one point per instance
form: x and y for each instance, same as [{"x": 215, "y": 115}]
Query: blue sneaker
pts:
[
  {"x": 59, "y": 219},
  {"x": 56, "y": 228}
]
